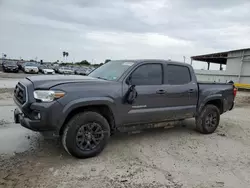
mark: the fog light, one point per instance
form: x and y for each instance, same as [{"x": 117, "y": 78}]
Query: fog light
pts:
[{"x": 37, "y": 115}]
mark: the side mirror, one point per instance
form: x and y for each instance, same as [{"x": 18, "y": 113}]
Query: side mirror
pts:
[
  {"x": 129, "y": 80},
  {"x": 130, "y": 95}
]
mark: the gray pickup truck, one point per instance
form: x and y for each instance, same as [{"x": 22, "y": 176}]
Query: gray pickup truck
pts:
[{"x": 123, "y": 95}]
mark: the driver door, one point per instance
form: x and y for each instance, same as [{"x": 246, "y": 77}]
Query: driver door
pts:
[{"x": 149, "y": 103}]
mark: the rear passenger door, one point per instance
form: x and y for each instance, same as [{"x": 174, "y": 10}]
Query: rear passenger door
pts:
[{"x": 181, "y": 91}]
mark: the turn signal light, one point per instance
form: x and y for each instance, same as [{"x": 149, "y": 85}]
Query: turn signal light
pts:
[{"x": 235, "y": 91}]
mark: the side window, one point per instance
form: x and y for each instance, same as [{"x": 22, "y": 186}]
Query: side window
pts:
[
  {"x": 177, "y": 75},
  {"x": 148, "y": 74}
]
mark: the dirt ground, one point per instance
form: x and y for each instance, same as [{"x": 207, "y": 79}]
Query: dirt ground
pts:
[{"x": 172, "y": 158}]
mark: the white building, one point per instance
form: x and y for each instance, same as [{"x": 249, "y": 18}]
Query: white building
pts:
[{"x": 237, "y": 66}]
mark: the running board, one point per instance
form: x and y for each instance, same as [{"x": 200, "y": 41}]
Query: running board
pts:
[{"x": 138, "y": 127}]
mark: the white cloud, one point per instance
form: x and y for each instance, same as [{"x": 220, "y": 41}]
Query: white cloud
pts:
[
  {"x": 122, "y": 29},
  {"x": 159, "y": 40}
]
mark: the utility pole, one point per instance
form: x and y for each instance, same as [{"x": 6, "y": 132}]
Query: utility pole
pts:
[{"x": 184, "y": 58}]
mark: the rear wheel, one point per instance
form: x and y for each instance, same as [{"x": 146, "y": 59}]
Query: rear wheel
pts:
[
  {"x": 86, "y": 134},
  {"x": 208, "y": 120}
]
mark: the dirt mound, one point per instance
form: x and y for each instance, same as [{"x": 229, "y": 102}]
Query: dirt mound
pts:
[{"x": 243, "y": 98}]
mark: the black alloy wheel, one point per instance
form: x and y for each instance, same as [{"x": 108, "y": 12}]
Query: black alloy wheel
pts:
[
  {"x": 86, "y": 134},
  {"x": 211, "y": 120},
  {"x": 208, "y": 119},
  {"x": 89, "y": 136}
]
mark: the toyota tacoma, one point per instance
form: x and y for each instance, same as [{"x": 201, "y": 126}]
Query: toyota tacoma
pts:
[{"x": 122, "y": 95}]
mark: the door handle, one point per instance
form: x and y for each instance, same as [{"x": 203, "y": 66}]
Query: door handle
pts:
[
  {"x": 191, "y": 91},
  {"x": 161, "y": 91}
]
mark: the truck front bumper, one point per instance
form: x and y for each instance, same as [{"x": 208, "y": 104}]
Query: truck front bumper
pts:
[
  {"x": 34, "y": 125},
  {"x": 40, "y": 117}
]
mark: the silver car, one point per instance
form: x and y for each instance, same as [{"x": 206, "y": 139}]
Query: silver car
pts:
[{"x": 65, "y": 70}]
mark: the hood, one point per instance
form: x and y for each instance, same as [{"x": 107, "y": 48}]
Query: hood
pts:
[
  {"x": 49, "y": 70},
  {"x": 46, "y": 82},
  {"x": 30, "y": 67},
  {"x": 65, "y": 70}
]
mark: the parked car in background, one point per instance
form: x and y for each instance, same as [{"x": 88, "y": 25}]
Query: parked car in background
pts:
[
  {"x": 88, "y": 70},
  {"x": 10, "y": 66},
  {"x": 65, "y": 70},
  {"x": 30, "y": 67},
  {"x": 81, "y": 71},
  {"x": 40, "y": 68},
  {"x": 48, "y": 70},
  {"x": 20, "y": 64},
  {"x": 56, "y": 69}
]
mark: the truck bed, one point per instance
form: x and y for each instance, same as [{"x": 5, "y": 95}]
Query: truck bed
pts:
[
  {"x": 222, "y": 91},
  {"x": 213, "y": 83}
]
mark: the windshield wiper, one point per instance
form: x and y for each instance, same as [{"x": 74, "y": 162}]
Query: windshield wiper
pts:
[{"x": 101, "y": 78}]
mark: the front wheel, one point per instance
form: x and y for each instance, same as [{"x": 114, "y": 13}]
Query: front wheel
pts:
[
  {"x": 208, "y": 120},
  {"x": 86, "y": 135}
]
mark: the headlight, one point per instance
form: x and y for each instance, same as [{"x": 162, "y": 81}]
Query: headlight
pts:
[{"x": 48, "y": 95}]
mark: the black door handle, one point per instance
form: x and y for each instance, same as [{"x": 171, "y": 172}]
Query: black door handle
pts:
[
  {"x": 161, "y": 91},
  {"x": 190, "y": 91}
]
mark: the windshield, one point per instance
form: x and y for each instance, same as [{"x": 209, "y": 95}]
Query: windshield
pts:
[
  {"x": 10, "y": 63},
  {"x": 31, "y": 64},
  {"x": 112, "y": 70}
]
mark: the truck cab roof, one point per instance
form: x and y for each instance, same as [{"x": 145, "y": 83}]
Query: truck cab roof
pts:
[{"x": 151, "y": 61}]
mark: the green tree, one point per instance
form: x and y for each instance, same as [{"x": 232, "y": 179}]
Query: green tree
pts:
[
  {"x": 83, "y": 62},
  {"x": 107, "y": 60},
  {"x": 65, "y": 55}
]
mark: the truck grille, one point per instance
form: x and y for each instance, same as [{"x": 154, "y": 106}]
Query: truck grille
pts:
[{"x": 20, "y": 93}]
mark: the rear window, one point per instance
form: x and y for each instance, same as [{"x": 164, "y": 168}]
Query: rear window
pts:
[{"x": 177, "y": 75}]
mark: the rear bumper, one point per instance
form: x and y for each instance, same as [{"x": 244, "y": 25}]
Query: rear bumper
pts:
[{"x": 232, "y": 106}]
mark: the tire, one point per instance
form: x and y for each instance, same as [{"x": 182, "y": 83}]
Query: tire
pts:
[
  {"x": 77, "y": 125},
  {"x": 202, "y": 121}
]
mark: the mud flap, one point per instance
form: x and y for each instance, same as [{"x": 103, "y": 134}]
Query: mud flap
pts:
[{"x": 17, "y": 115}]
